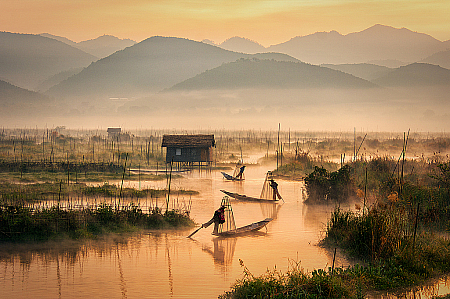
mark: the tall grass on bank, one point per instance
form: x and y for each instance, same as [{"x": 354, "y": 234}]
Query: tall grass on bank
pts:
[
  {"x": 295, "y": 283},
  {"x": 393, "y": 255},
  {"x": 20, "y": 223},
  {"x": 388, "y": 238}
]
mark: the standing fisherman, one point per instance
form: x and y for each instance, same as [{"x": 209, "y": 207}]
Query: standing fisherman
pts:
[
  {"x": 218, "y": 218},
  {"x": 274, "y": 186},
  {"x": 241, "y": 172}
]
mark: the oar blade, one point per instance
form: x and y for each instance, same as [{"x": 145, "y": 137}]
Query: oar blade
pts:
[{"x": 195, "y": 232}]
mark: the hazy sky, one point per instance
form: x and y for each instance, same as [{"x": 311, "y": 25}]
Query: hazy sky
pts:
[{"x": 267, "y": 22}]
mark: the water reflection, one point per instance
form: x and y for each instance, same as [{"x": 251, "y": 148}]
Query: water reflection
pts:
[
  {"x": 270, "y": 210},
  {"x": 123, "y": 285},
  {"x": 222, "y": 251},
  {"x": 169, "y": 266},
  {"x": 430, "y": 289},
  {"x": 166, "y": 264}
]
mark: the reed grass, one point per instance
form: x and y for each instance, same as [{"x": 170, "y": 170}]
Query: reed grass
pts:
[
  {"x": 20, "y": 223},
  {"x": 295, "y": 283}
]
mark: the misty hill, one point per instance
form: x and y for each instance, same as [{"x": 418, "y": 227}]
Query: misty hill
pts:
[
  {"x": 416, "y": 74},
  {"x": 242, "y": 45},
  {"x": 100, "y": 47},
  {"x": 12, "y": 93},
  {"x": 149, "y": 66},
  {"x": 56, "y": 79},
  {"x": 61, "y": 39},
  {"x": 390, "y": 63},
  {"x": 209, "y": 42},
  {"x": 104, "y": 45},
  {"x": 375, "y": 43},
  {"x": 28, "y": 59},
  {"x": 441, "y": 58},
  {"x": 255, "y": 73},
  {"x": 362, "y": 70},
  {"x": 274, "y": 56},
  {"x": 19, "y": 102}
]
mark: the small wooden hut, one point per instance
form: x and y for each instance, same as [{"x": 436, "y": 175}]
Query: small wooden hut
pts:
[
  {"x": 188, "y": 149},
  {"x": 114, "y": 132}
]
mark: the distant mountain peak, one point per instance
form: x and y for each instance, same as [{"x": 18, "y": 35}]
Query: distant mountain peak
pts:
[
  {"x": 241, "y": 39},
  {"x": 107, "y": 38},
  {"x": 209, "y": 42},
  {"x": 376, "y": 43},
  {"x": 243, "y": 45}
]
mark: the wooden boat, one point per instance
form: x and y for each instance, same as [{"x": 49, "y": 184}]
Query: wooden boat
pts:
[
  {"x": 228, "y": 229},
  {"x": 267, "y": 192},
  {"x": 238, "y": 174},
  {"x": 230, "y": 177},
  {"x": 245, "y": 197},
  {"x": 256, "y": 226}
]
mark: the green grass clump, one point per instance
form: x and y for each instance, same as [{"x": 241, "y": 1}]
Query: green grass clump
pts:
[
  {"x": 323, "y": 186},
  {"x": 19, "y": 223},
  {"x": 386, "y": 238},
  {"x": 301, "y": 165},
  {"x": 331, "y": 283}
]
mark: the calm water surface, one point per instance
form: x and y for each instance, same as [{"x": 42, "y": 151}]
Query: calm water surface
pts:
[{"x": 166, "y": 264}]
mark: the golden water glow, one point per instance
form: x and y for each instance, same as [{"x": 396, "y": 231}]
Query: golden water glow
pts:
[{"x": 268, "y": 22}]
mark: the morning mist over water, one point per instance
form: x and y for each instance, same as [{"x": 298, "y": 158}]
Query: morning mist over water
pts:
[{"x": 419, "y": 109}]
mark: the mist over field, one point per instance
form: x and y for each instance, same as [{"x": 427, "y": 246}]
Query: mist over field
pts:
[{"x": 327, "y": 110}]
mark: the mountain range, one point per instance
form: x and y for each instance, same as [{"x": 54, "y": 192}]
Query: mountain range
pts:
[
  {"x": 99, "y": 47},
  {"x": 149, "y": 66},
  {"x": 108, "y": 67},
  {"x": 256, "y": 73},
  {"x": 377, "y": 43},
  {"x": 415, "y": 74},
  {"x": 27, "y": 59}
]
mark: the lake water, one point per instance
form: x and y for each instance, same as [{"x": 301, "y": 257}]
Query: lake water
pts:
[{"x": 166, "y": 264}]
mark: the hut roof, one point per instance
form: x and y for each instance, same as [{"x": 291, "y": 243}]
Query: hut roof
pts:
[
  {"x": 114, "y": 130},
  {"x": 188, "y": 141}
]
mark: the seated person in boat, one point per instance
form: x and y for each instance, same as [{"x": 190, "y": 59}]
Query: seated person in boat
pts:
[{"x": 218, "y": 218}]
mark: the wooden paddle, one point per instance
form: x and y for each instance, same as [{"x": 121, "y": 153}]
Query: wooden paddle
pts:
[{"x": 195, "y": 232}]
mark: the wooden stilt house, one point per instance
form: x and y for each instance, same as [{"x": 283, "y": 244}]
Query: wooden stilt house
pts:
[{"x": 189, "y": 149}]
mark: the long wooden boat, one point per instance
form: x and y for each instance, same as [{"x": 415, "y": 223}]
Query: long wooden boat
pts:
[
  {"x": 246, "y": 229},
  {"x": 245, "y": 197},
  {"x": 230, "y": 177}
]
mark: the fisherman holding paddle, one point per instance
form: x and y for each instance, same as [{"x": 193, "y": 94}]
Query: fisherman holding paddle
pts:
[
  {"x": 218, "y": 218},
  {"x": 241, "y": 172},
  {"x": 274, "y": 186}
]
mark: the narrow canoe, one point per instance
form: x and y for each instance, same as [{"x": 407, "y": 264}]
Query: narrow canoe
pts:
[
  {"x": 246, "y": 229},
  {"x": 230, "y": 177},
  {"x": 245, "y": 197}
]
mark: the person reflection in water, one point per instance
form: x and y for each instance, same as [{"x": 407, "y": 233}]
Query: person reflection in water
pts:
[{"x": 218, "y": 218}]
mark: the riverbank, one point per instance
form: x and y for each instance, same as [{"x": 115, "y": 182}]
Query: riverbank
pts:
[
  {"x": 398, "y": 229},
  {"x": 390, "y": 260}
]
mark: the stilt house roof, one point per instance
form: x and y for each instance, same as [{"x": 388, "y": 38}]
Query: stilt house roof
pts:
[{"x": 181, "y": 141}]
